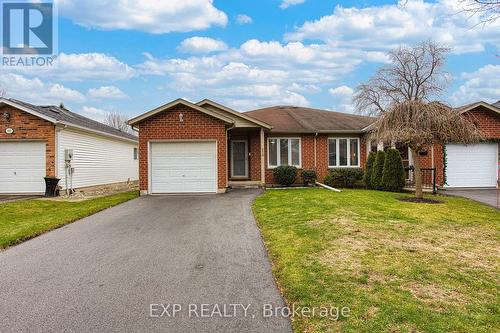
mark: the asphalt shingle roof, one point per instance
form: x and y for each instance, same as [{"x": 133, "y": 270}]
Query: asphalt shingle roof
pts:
[
  {"x": 71, "y": 118},
  {"x": 306, "y": 120}
]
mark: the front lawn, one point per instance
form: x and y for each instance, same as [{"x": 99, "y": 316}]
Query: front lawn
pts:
[
  {"x": 398, "y": 266},
  {"x": 26, "y": 219}
]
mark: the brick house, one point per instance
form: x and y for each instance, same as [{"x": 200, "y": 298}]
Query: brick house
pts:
[
  {"x": 207, "y": 147},
  {"x": 34, "y": 140}
]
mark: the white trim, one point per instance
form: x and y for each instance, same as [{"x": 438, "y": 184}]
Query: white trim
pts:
[
  {"x": 246, "y": 159},
  {"x": 150, "y": 167},
  {"x": 233, "y": 112},
  {"x": 64, "y": 125},
  {"x": 337, "y": 147},
  {"x": 278, "y": 157},
  {"x": 475, "y": 105},
  {"x": 176, "y": 102},
  {"x": 56, "y": 122},
  {"x": 28, "y": 110}
]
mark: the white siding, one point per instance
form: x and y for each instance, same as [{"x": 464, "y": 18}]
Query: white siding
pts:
[{"x": 97, "y": 159}]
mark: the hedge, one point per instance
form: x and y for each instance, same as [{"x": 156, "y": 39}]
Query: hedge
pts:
[
  {"x": 344, "y": 177},
  {"x": 393, "y": 177},
  {"x": 377, "y": 171}
]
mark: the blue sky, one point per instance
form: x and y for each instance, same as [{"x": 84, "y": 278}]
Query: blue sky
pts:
[{"x": 131, "y": 57}]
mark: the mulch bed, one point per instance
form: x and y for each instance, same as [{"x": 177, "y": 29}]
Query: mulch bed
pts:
[{"x": 417, "y": 200}]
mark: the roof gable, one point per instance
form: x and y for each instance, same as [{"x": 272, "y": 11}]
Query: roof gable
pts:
[
  {"x": 475, "y": 106},
  {"x": 243, "y": 118},
  {"x": 174, "y": 103},
  {"x": 62, "y": 116}
]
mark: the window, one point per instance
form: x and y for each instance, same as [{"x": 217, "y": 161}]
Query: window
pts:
[
  {"x": 136, "y": 154},
  {"x": 343, "y": 152},
  {"x": 332, "y": 152},
  {"x": 283, "y": 151}
]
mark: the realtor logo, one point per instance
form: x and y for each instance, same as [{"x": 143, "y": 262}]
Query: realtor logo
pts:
[{"x": 28, "y": 28}]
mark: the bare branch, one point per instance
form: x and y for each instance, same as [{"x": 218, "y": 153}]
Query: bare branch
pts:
[
  {"x": 118, "y": 121},
  {"x": 415, "y": 74},
  {"x": 487, "y": 10}
]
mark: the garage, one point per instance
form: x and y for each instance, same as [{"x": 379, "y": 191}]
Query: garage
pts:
[
  {"x": 183, "y": 167},
  {"x": 22, "y": 167},
  {"x": 472, "y": 166}
]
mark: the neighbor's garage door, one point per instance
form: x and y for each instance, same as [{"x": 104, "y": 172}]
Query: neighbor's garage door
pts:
[
  {"x": 183, "y": 167},
  {"x": 22, "y": 167},
  {"x": 472, "y": 166}
]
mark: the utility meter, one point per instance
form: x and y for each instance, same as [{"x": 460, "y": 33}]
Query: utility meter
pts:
[{"x": 68, "y": 154}]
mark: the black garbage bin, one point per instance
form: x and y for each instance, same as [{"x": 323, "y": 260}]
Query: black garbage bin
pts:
[{"x": 51, "y": 186}]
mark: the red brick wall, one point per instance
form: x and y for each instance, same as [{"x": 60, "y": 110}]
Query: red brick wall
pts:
[
  {"x": 254, "y": 162},
  {"x": 29, "y": 127},
  {"x": 196, "y": 125},
  {"x": 307, "y": 147},
  {"x": 489, "y": 124}
]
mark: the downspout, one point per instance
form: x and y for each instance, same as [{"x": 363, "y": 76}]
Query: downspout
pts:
[
  {"x": 315, "y": 152},
  {"x": 227, "y": 155}
]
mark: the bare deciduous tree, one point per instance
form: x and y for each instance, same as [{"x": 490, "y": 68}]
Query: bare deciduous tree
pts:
[
  {"x": 3, "y": 92},
  {"x": 402, "y": 95},
  {"x": 421, "y": 125},
  {"x": 414, "y": 74},
  {"x": 487, "y": 10},
  {"x": 118, "y": 121}
]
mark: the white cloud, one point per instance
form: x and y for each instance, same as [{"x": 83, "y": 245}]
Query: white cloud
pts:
[
  {"x": 94, "y": 113},
  {"x": 106, "y": 92},
  {"x": 385, "y": 27},
  {"x": 243, "y": 19},
  {"x": 38, "y": 92},
  {"x": 81, "y": 66},
  {"x": 342, "y": 98},
  {"x": 287, "y": 3},
  {"x": 151, "y": 16},
  {"x": 341, "y": 91},
  {"x": 287, "y": 72},
  {"x": 481, "y": 85},
  {"x": 202, "y": 45}
]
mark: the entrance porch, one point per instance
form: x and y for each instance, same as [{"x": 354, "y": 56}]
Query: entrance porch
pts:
[{"x": 246, "y": 160}]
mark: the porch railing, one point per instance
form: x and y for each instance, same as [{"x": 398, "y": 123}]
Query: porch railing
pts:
[{"x": 428, "y": 178}]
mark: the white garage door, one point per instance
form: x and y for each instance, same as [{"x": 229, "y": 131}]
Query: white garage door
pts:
[
  {"x": 22, "y": 167},
  {"x": 183, "y": 167},
  {"x": 472, "y": 166}
]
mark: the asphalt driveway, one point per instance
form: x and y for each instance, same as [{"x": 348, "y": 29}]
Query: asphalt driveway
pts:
[
  {"x": 111, "y": 271},
  {"x": 488, "y": 196}
]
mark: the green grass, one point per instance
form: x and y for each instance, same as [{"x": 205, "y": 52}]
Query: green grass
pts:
[
  {"x": 398, "y": 266},
  {"x": 22, "y": 220}
]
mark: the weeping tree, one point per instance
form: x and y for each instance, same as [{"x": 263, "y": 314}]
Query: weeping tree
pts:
[
  {"x": 402, "y": 95},
  {"x": 421, "y": 125}
]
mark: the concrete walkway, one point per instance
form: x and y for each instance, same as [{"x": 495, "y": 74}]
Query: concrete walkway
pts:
[{"x": 110, "y": 272}]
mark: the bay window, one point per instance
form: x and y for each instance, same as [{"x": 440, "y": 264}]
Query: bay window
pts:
[
  {"x": 283, "y": 151},
  {"x": 343, "y": 152}
]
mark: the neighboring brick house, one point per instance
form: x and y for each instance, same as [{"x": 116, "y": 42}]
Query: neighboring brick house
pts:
[
  {"x": 207, "y": 147},
  {"x": 475, "y": 165},
  {"x": 33, "y": 141}
]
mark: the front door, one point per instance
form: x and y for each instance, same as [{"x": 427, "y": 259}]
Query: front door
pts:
[{"x": 239, "y": 159}]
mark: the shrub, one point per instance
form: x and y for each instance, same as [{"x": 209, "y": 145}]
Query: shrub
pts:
[
  {"x": 367, "y": 179},
  {"x": 308, "y": 176},
  {"x": 377, "y": 170},
  {"x": 344, "y": 177},
  {"x": 393, "y": 176},
  {"x": 285, "y": 175}
]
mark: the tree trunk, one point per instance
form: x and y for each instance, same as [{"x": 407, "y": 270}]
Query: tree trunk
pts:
[{"x": 417, "y": 173}]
